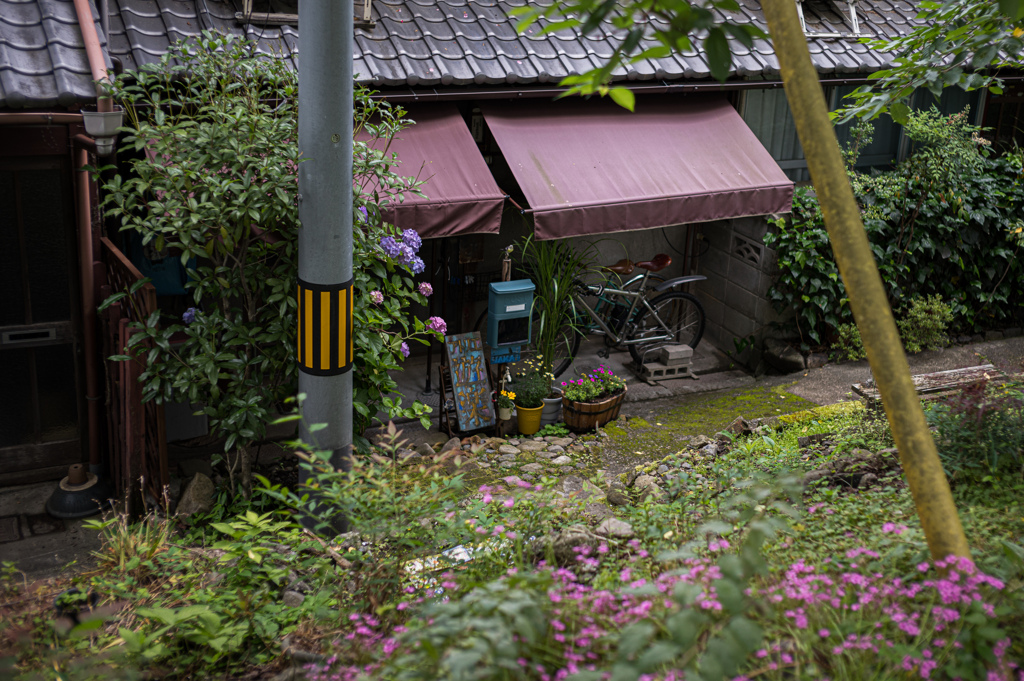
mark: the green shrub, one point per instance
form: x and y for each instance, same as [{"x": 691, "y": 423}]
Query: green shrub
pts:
[
  {"x": 945, "y": 222},
  {"x": 848, "y": 343},
  {"x": 215, "y": 182},
  {"x": 923, "y": 324}
]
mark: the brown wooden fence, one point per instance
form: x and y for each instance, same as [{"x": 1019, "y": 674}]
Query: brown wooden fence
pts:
[{"x": 136, "y": 430}]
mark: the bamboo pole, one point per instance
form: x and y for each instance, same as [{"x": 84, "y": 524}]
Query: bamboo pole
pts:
[{"x": 920, "y": 460}]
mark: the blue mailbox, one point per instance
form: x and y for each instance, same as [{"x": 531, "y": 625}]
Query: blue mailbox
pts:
[{"x": 509, "y": 304}]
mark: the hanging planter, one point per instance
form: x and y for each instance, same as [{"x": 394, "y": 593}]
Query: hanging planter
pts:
[{"x": 583, "y": 416}]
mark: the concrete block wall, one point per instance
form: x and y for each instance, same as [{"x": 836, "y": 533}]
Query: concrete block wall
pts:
[{"x": 740, "y": 270}]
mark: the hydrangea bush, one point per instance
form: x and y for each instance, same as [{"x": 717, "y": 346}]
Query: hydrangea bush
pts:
[{"x": 212, "y": 178}]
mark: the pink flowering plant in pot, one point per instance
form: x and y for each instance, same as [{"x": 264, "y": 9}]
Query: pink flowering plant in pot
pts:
[
  {"x": 212, "y": 179},
  {"x": 593, "y": 386}
]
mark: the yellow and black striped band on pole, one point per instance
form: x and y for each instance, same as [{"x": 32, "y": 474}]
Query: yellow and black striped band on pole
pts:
[{"x": 325, "y": 328}]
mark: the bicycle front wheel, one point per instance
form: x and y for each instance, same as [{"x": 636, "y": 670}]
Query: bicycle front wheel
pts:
[{"x": 681, "y": 323}]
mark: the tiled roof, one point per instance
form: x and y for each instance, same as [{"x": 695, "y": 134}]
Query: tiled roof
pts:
[
  {"x": 475, "y": 42},
  {"x": 414, "y": 43},
  {"x": 42, "y": 56}
]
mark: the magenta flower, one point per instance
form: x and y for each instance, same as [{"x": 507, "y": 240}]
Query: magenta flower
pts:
[
  {"x": 425, "y": 288},
  {"x": 377, "y": 297},
  {"x": 404, "y": 349},
  {"x": 437, "y": 325}
]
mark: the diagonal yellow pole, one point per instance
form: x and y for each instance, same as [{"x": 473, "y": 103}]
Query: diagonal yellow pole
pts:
[{"x": 918, "y": 455}]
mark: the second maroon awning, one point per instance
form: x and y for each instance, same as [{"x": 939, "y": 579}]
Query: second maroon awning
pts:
[
  {"x": 592, "y": 167},
  {"x": 461, "y": 195}
]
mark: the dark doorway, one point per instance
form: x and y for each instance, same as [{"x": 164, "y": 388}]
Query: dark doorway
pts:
[{"x": 40, "y": 396}]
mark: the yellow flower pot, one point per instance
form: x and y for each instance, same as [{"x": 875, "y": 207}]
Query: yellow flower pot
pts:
[{"x": 529, "y": 419}]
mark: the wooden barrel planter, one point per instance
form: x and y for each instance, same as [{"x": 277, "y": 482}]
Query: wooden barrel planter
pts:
[{"x": 583, "y": 416}]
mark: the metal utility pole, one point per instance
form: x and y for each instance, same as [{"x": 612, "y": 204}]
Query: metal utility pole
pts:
[
  {"x": 918, "y": 455},
  {"x": 325, "y": 237}
]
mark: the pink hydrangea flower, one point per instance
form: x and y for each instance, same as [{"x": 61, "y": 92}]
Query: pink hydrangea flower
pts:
[
  {"x": 425, "y": 288},
  {"x": 377, "y": 297}
]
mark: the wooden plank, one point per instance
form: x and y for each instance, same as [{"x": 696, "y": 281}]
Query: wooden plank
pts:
[
  {"x": 33, "y": 475},
  {"x": 939, "y": 381},
  {"x": 51, "y": 454}
]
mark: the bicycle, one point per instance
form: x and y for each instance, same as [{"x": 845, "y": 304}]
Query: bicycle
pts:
[{"x": 627, "y": 316}]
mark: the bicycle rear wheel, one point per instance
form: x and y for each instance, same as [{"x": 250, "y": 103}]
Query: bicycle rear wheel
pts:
[
  {"x": 683, "y": 318},
  {"x": 566, "y": 347}
]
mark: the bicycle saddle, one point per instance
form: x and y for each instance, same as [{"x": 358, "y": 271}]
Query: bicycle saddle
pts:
[
  {"x": 623, "y": 266},
  {"x": 660, "y": 262}
]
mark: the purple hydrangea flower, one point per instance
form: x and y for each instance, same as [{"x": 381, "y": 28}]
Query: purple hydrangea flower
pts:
[
  {"x": 410, "y": 237},
  {"x": 405, "y": 255},
  {"x": 404, "y": 349},
  {"x": 365, "y": 214},
  {"x": 417, "y": 265},
  {"x": 437, "y": 324},
  {"x": 189, "y": 316},
  {"x": 377, "y": 297},
  {"x": 425, "y": 288},
  {"x": 391, "y": 247}
]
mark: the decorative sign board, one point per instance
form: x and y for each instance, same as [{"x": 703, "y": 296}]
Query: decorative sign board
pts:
[
  {"x": 505, "y": 355},
  {"x": 470, "y": 383}
]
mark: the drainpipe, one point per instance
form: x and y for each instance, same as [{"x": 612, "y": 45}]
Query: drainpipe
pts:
[
  {"x": 82, "y": 146},
  {"x": 94, "y": 53}
]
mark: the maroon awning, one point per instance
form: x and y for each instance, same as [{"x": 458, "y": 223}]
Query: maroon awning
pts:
[
  {"x": 462, "y": 197},
  {"x": 591, "y": 167}
]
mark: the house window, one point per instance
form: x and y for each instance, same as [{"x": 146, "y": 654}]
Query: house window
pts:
[{"x": 286, "y": 12}]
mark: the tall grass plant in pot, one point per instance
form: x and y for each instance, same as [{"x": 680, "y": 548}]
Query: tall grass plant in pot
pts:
[{"x": 553, "y": 266}]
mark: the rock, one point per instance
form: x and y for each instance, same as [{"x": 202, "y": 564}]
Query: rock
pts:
[
  {"x": 613, "y": 527},
  {"x": 572, "y": 484},
  {"x": 963, "y": 340},
  {"x": 564, "y": 543},
  {"x": 814, "y": 476},
  {"x": 709, "y": 450},
  {"x": 782, "y": 356},
  {"x": 292, "y": 599},
  {"x": 198, "y": 496},
  {"x": 532, "y": 446},
  {"x": 424, "y": 450},
  {"x": 532, "y": 468},
  {"x": 699, "y": 441},
  {"x": 663, "y": 468},
  {"x": 561, "y": 461},
  {"x": 816, "y": 360},
  {"x": 644, "y": 480},
  {"x": 452, "y": 461},
  {"x": 484, "y": 465},
  {"x": 410, "y": 458},
  {"x": 739, "y": 427},
  {"x": 508, "y": 449},
  {"x": 616, "y": 497},
  {"x": 547, "y": 455},
  {"x": 512, "y": 480},
  {"x": 513, "y": 442},
  {"x": 562, "y": 441},
  {"x": 977, "y": 338},
  {"x": 1012, "y": 332},
  {"x": 506, "y": 458},
  {"x": 867, "y": 480},
  {"x": 555, "y": 448},
  {"x": 454, "y": 443},
  {"x": 808, "y": 440},
  {"x": 993, "y": 335},
  {"x": 597, "y": 510},
  {"x": 508, "y": 464}
]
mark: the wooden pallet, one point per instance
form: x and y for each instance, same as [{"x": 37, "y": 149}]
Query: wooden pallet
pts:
[{"x": 939, "y": 383}]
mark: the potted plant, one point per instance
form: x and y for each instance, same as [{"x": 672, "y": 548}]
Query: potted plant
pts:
[
  {"x": 554, "y": 266},
  {"x": 593, "y": 399},
  {"x": 506, "y": 400},
  {"x": 531, "y": 385}
]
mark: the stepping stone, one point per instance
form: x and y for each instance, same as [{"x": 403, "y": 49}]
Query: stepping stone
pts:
[
  {"x": 561, "y": 461},
  {"x": 532, "y": 468},
  {"x": 508, "y": 449},
  {"x": 532, "y": 446},
  {"x": 547, "y": 455},
  {"x": 556, "y": 448},
  {"x": 508, "y": 464},
  {"x": 562, "y": 441}
]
